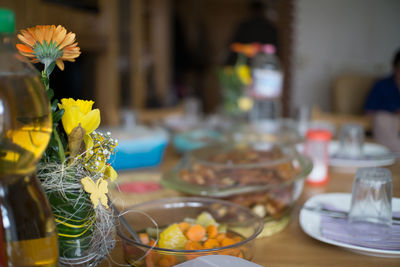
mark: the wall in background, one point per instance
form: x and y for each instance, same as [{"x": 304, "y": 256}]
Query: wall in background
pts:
[{"x": 334, "y": 37}]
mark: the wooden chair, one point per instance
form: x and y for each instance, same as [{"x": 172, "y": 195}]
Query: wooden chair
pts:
[{"x": 349, "y": 94}]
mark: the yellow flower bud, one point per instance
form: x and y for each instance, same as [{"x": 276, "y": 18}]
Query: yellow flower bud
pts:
[
  {"x": 110, "y": 173},
  {"x": 75, "y": 141},
  {"x": 245, "y": 103}
]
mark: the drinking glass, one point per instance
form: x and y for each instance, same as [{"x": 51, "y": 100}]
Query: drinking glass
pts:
[
  {"x": 128, "y": 118},
  {"x": 303, "y": 117},
  {"x": 370, "y": 215},
  {"x": 351, "y": 140}
]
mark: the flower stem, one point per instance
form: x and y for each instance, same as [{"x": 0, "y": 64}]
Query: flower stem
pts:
[
  {"x": 56, "y": 135},
  {"x": 45, "y": 80},
  {"x": 241, "y": 60},
  {"x": 61, "y": 153}
]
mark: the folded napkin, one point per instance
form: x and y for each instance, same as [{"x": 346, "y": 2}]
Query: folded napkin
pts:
[{"x": 338, "y": 229}]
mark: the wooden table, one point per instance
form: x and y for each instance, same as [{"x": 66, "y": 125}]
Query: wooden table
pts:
[{"x": 292, "y": 247}]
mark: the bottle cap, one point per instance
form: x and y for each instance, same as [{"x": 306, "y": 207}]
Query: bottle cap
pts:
[
  {"x": 319, "y": 134},
  {"x": 269, "y": 49},
  {"x": 7, "y": 21}
]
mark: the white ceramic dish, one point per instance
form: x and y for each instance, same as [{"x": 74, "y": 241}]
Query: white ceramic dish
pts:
[
  {"x": 374, "y": 155},
  {"x": 310, "y": 223}
]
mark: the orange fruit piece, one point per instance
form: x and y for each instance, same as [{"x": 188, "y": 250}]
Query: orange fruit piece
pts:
[
  {"x": 196, "y": 233},
  {"x": 212, "y": 231},
  {"x": 231, "y": 252},
  {"x": 237, "y": 239},
  {"x": 193, "y": 245},
  {"x": 164, "y": 263},
  {"x": 152, "y": 257},
  {"x": 167, "y": 261},
  {"x": 184, "y": 226},
  {"x": 220, "y": 237},
  {"x": 227, "y": 242},
  {"x": 144, "y": 237},
  {"x": 211, "y": 243}
]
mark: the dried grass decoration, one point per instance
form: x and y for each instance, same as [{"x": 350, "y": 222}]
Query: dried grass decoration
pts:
[{"x": 73, "y": 171}]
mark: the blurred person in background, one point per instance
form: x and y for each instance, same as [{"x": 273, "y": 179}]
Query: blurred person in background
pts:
[
  {"x": 256, "y": 28},
  {"x": 383, "y": 103}
]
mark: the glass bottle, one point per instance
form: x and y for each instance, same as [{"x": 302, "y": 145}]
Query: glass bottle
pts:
[
  {"x": 27, "y": 224},
  {"x": 267, "y": 84}
]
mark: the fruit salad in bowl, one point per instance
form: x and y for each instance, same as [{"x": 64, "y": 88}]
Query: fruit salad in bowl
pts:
[{"x": 175, "y": 230}]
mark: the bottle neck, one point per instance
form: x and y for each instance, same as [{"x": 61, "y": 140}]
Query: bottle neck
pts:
[{"x": 263, "y": 60}]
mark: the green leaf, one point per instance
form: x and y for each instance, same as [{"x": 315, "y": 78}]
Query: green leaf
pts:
[
  {"x": 57, "y": 115},
  {"x": 54, "y": 105},
  {"x": 50, "y": 94},
  {"x": 76, "y": 221}
]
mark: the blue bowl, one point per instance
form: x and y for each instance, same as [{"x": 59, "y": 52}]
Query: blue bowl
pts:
[
  {"x": 142, "y": 152},
  {"x": 191, "y": 140}
]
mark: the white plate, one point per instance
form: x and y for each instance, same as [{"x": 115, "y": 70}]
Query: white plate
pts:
[
  {"x": 310, "y": 223},
  {"x": 375, "y": 155}
]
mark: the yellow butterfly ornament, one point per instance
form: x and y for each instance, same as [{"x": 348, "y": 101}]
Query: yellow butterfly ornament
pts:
[{"x": 96, "y": 190}]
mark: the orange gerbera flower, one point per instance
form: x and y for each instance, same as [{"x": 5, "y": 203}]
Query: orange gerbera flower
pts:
[
  {"x": 48, "y": 44},
  {"x": 248, "y": 49}
]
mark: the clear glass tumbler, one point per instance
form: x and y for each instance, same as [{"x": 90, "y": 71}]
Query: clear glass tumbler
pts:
[
  {"x": 370, "y": 213},
  {"x": 351, "y": 140}
]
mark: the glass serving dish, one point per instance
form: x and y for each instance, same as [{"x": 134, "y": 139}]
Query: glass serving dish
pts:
[
  {"x": 238, "y": 220},
  {"x": 280, "y": 132},
  {"x": 268, "y": 179}
]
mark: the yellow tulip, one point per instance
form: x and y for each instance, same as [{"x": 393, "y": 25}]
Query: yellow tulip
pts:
[
  {"x": 84, "y": 105},
  {"x": 243, "y": 72},
  {"x": 79, "y": 112}
]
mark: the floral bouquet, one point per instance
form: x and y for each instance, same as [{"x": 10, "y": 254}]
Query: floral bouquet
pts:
[
  {"x": 73, "y": 171},
  {"x": 235, "y": 81}
]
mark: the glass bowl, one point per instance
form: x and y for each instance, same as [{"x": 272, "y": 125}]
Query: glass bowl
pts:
[
  {"x": 266, "y": 178},
  {"x": 238, "y": 219},
  {"x": 280, "y": 132}
]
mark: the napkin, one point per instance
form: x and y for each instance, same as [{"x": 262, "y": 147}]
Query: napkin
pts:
[
  {"x": 218, "y": 261},
  {"x": 338, "y": 229}
]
